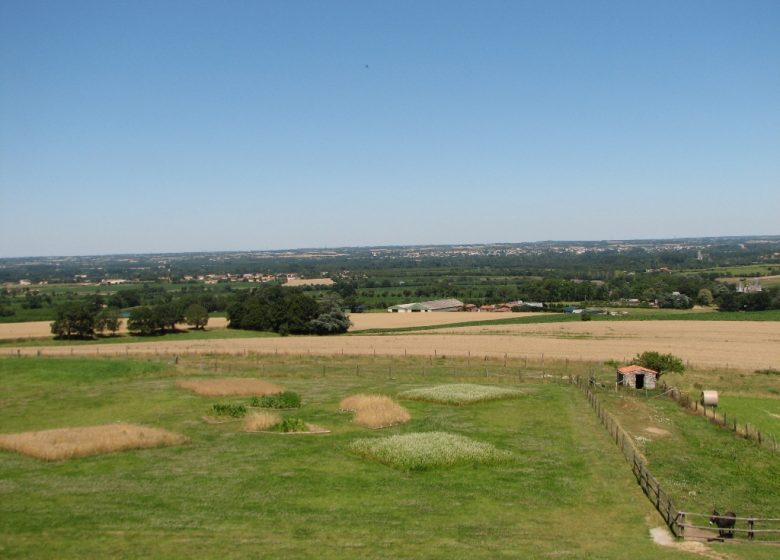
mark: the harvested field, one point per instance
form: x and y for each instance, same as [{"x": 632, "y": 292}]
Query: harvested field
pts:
[
  {"x": 422, "y": 451},
  {"x": 66, "y": 443},
  {"x": 747, "y": 345},
  {"x": 294, "y": 282},
  {"x": 261, "y": 421},
  {"x": 459, "y": 393},
  {"x": 229, "y": 386},
  {"x": 365, "y": 321},
  {"x": 375, "y": 411}
]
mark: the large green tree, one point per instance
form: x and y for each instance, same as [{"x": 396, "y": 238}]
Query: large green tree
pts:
[
  {"x": 107, "y": 320},
  {"x": 662, "y": 363},
  {"x": 74, "y": 319},
  {"x": 196, "y": 315}
]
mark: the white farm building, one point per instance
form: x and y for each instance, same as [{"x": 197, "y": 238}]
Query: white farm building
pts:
[{"x": 427, "y": 306}]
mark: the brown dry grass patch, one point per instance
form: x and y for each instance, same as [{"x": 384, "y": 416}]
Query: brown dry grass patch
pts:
[
  {"x": 230, "y": 387},
  {"x": 65, "y": 443},
  {"x": 260, "y": 421},
  {"x": 375, "y": 411}
]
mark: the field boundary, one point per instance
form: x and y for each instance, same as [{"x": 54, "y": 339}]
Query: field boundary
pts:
[
  {"x": 767, "y": 441},
  {"x": 650, "y": 485},
  {"x": 677, "y": 521}
]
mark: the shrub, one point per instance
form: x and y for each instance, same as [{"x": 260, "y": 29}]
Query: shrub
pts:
[
  {"x": 460, "y": 393},
  {"x": 662, "y": 363},
  {"x": 232, "y": 410},
  {"x": 287, "y": 399},
  {"x": 414, "y": 452},
  {"x": 292, "y": 425}
]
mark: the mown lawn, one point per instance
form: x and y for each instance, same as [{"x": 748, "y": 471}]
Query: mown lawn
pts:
[{"x": 566, "y": 492}]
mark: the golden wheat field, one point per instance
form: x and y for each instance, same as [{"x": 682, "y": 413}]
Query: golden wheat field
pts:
[
  {"x": 229, "y": 387},
  {"x": 64, "y": 443},
  {"x": 739, "y": 344}
]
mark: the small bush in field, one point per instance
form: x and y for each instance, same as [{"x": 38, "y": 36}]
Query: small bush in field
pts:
[
  {"x": 286, "y": 399},
  {"x": 292, "y": 425},
  {"x": 231, "y": 410}
]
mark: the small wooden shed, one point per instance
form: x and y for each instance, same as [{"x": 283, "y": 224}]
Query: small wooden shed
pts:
[{"x": 637, "y": 377}]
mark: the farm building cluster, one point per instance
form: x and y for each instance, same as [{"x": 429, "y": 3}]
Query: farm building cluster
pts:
[{"x": 457, "y": 305}]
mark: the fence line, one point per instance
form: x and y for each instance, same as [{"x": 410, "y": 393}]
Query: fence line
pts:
[
  {"x": 724, "y": 421},
  {"x": 660, "y": 499},
  {"x": 678, "y": 521}
]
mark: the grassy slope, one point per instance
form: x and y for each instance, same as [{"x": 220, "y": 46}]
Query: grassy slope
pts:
[
  {"x": 229, "y": 494},
  {"x": 761, "y": 413},
  {"x": 699, "y": 464}
]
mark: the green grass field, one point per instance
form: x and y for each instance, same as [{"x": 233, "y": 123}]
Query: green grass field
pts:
[
  {"x": 761, "y": 413},
  {"x": 566, "y": 491},
  {"x": 701, "y": 465}
]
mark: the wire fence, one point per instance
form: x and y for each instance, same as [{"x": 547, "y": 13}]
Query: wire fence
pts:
[{"x": 683, "y": 524}]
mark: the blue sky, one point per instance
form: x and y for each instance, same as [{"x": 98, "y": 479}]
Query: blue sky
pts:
[{"x": 184, "y": 126}]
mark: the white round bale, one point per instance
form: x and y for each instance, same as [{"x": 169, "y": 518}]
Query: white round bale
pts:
[{"x": 709, "y": 398}]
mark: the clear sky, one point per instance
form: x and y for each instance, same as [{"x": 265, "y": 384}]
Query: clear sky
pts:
[{"x": 160, "y": 126}]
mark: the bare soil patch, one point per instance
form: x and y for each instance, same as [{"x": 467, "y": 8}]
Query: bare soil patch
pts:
[
  {"x": 65, "y": 443},
  {"x": 229, "y": 386},
  {"x": 657, "y": 431}
]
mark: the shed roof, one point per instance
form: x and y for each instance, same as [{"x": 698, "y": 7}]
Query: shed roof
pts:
[{"x": 636, "y": 369}]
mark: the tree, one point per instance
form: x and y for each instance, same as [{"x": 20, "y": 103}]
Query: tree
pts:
[
  {"x": 729, "y": 301},
  {"x": 662, "y": 363},
  {"x": 107, "y": 320},
  {"x": 196, "y": 315},
  {"x": 168, "y": 315},
  {"x": 143, "y": 321},
  {"x": 332, "y": 320},
  {"x": 704, "y": 297},
  {"x": 74, "y": 319},
  {"x": 675, "y": 301}
]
